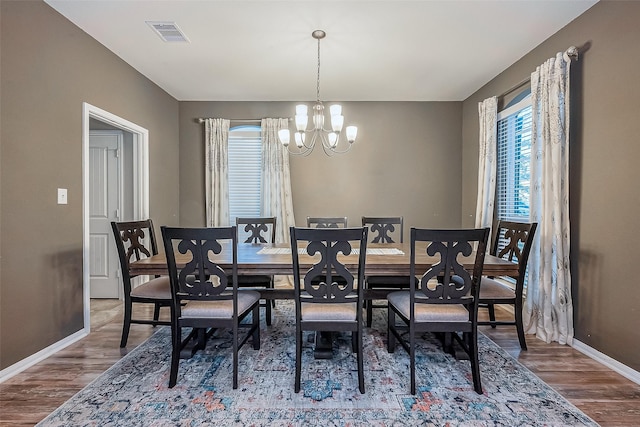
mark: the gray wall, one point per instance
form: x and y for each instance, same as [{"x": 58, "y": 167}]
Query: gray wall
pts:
[
  {"x": 604, "y": 176},
  {"x": 49, "y": 67},
  {"x": 406, "y": 162}
]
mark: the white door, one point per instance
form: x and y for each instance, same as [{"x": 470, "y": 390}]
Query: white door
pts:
[{"x": 105, "y": 170}]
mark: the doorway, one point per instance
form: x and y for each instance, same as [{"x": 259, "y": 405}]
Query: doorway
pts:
[{"x": 97, "y": 238}]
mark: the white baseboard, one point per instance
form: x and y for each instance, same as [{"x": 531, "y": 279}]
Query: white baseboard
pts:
[
  {"x": 607, "y": 361},
  {"x": 28, "y": 362}
]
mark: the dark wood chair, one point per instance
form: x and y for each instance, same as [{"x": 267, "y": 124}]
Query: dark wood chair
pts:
[
  {"x": 130, "y": 241},
  {"x": 329, "y": 296},
  {"x": 327, "y": 222},
  {"x": 512, "y": 241},
  {"x": 384, "y": 230},
  {"x": 443, "y": 298},
  {"x": 257, "y": 231},
  {"x": 203, "y": 297}
]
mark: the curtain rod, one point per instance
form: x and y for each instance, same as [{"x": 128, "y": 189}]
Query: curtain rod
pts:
[
  {"x": 200, "y": 120},
  {"x": 571, "y": 52}
]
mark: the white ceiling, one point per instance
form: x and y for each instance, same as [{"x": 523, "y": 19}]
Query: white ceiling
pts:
[{"x": 262, "y": 50}]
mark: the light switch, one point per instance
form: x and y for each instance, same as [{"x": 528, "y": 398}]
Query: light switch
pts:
[{"x": 62, "y": 196}]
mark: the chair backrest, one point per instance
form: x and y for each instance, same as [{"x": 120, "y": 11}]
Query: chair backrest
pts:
[
  {"x": 135, "y": 240},
  {"x": 385, "y": 228},
  {"x": 328, "y": 280},
  {"x": 197, "y": 276},
  {"x": 256, "y": 230},
  {"x": 512, "y": 241},
  {"x": 327, "y": 222},
  {"x": 446, "y": 281}
]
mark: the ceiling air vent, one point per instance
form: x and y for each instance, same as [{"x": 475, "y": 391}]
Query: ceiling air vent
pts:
[{"x": 168, "y": 31}]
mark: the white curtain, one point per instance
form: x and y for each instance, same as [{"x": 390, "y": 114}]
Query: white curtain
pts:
[
  {"x": 488, "y": 112},
  {"x": 548, "y": 311},
  {"x": 216, "y": 172},
  {"x": 276, "y": 178}
]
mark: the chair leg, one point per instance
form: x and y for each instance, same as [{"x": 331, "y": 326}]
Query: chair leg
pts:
[
  {"x": 267, "y": 311},
  {"x": 447, "y": 343},
  {"x": 235, "y": 357},
  {"x": 273, "y": 285},
  {"x": 354, "y": 341},
  {"x": 360, "y": 356},
  {"x": 492, "y": 314},
  {"x": 520, "y": 326},
  {"x": 255, "y": 318},
  {"x": 175, "y": 354},
  {"x": 156, "y": 313},
  {"x": 412, "y": 359},
  {"x": 202, "y": 338},
  {"x": 473, "y": 358},
  {"x": 369, "y": 305},
  {"x": 298, "y": 358},
  {"x": 126, "y": 325},
  {"x": 391, "y": 338}
]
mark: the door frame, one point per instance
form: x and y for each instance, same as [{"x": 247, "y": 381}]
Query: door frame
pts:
[{"x": 140, "y": 185}]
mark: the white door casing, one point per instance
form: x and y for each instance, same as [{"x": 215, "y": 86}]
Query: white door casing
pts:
[
  {"x": 140, "y": 185},
  {"x": 105, "y": 205}
]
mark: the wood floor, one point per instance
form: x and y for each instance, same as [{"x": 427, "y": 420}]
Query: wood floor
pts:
[{"x": 28, "y": 397}]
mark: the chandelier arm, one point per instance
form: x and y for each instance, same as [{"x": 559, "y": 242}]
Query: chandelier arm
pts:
[
  {"x": 304, "y": 152},
  {"x": 313, "y": 139},
  {"x": 305, "y": 149},
  {"x": 335, "y": 150},
  {"x": 329, "y": 150},
  {"x": 342, "y": 151}
]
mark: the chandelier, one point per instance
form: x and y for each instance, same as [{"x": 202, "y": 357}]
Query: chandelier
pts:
[{"x": 306, "y": 139}]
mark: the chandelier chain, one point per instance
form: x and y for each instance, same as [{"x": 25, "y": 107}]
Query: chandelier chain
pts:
[{"x": 318, "y": 78}]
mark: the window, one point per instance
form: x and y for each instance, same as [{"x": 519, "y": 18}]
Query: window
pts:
[
  {"x": 514, "y": 158},
  {"x": 245, "y": 176},
  {"x": 513, "y": 176}
]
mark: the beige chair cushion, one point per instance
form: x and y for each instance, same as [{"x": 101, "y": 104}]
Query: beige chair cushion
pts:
[
  {"x": 158, "y": 288},
  {"x": 493, "y": 289},
  {"x": 343, "y": 312},
  {"x": 429, "y": 312},
  {"x": 220, "y": 309}
]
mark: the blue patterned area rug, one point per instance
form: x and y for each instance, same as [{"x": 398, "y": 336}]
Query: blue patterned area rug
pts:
[{"x": 134, "y": 391}]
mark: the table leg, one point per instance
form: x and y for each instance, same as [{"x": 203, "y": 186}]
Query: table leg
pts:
[
  {"x": 324, "y": 345},
  {"x": 197, "y": 340}
]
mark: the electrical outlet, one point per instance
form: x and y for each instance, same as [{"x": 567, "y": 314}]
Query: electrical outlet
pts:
[{"x": 62, "y": 196}]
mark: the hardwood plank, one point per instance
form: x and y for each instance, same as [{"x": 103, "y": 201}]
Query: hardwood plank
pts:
[{"x": 607, "y": 397}]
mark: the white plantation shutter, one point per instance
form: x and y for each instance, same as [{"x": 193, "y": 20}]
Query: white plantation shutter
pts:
[
  {"x": 514, "y": 162},
  {"x": 245, "y": 162}
]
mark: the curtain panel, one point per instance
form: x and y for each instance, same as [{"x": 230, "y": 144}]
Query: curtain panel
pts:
[
  {"x": 549, "y": 308},
  {"x": 277, "y": 200},
  {"x": 488, "y": 112},
  {"x": 216, "y": 172}
]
